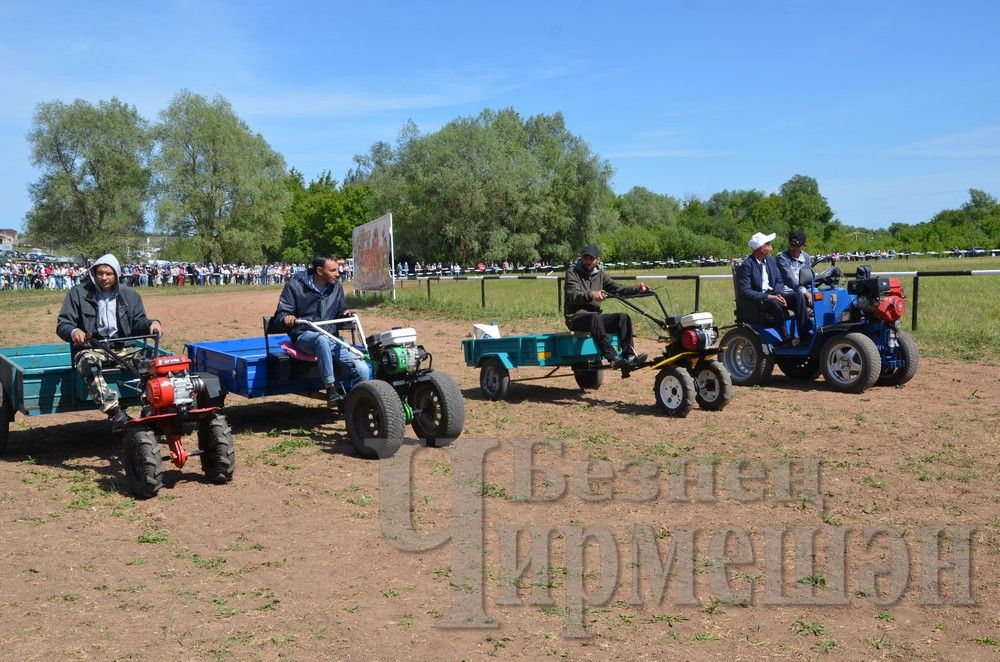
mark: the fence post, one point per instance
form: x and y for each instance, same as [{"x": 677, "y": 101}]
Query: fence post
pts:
[
  {"x": 559, "y": 298},
  {"x": 697, "y": 292},
  {"x": 916, "y": 297},
  {"x": 482, "y": 290},
  {"x": 428, "y": 288}
]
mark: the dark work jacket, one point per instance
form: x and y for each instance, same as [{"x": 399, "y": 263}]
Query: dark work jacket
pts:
[
  {"x": 301, "y": 299},
  {"x": 749, "y": 283},
  {"x": 579, "y": 284},
  {"x": 79, "y": 311}
]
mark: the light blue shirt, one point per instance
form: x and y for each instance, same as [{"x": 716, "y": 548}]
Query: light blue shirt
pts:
[{"x": 107, "y": 313}]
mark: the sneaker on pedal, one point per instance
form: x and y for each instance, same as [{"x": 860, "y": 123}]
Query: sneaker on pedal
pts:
[
  {"x": 119, "y": 419},
  {"x": 619, "y": 362},
  {"x": 636, "y": 360}
]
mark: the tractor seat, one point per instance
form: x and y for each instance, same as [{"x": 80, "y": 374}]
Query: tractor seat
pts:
[{"x": 296, "y": 354}]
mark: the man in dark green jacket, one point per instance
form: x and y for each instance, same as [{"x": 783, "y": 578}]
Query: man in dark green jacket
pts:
[{"x": 586, "y": 286}]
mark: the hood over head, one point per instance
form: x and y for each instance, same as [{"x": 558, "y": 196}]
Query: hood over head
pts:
[{"x": 112, "y": 262}]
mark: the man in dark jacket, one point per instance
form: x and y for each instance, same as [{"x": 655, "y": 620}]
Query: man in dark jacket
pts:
[
  {"x": 317, "y": 295},
  {"x": 586, "y": 286},
  {"x": 101, "y": 307},
  {"x": 759, "y": 279}
]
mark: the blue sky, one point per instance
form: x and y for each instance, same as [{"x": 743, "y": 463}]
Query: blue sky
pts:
[{"x": 893, "y": 106}]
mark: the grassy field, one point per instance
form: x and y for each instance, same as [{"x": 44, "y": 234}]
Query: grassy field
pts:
[{"x": 958, "y": 316}]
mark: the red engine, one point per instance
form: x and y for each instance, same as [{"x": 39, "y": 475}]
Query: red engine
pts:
[
  {"x": 881, "y": 297},
  {"x": 170, "y": 385}
]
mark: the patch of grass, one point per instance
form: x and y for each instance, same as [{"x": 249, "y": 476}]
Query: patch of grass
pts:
[
  {"x": 885, "y": 616},
  {"x": 805, "y": 628},
  {"x": 817, "y": 579},
  {"x": 707, "y": 636},
  {"x": 152, "y": 537}
]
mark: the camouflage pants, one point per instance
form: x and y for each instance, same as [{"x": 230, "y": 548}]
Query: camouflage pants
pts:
[{"x": 88, "y": 364}]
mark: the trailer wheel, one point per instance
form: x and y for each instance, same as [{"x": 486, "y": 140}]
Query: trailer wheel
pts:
[
  {"x": 713, "y": 385},
  {"x": 6, "y": 414},
  {"x": 438, "y": 409},
  {"x": 143, "y": 464},
  {"x": 799, "y": 368},
  {"x": 218, "y": 453},
  {"x": 744, "y": 357},
  {"x": 375, "y": 419},
  {"x": 675, "y": 391},
  {"x": 851, "y": 362},
  {"x": 494, "y": 379},
  {"x": 909, "y": 353},
  {"x": 587, "y": 378}
]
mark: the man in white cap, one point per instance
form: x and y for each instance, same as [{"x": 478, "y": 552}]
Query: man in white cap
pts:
[{"x": 759, "y": 279}]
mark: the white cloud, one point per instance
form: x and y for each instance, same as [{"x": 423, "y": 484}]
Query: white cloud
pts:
[{"x": 979, "y": 142}]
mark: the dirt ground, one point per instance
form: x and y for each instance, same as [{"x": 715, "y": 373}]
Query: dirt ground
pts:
[{"x": 289, "y": 561}]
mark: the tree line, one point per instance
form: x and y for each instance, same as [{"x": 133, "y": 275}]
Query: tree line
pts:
[{"x": 491, "y": 187}]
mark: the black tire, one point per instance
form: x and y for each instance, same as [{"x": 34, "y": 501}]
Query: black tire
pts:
[
  {"x": 851, "y": 362},
  {"x": 675, "y": 391},
  {"x": 218, "y": 452},
  {"x": 374, "y": 414},
  {"x": 143, "y": 464},
  {"x": 588, "y": 379},
  {"x": 744, "y": 357},
  {"x": 713, "y": 385},
  {"x": 908, "y": 352},
  {"x": 438, "y": 409},
  {"x": 793, "y": 367},
  {"x": 494, "y": 379},
  {"x": 6, "y": 414}
]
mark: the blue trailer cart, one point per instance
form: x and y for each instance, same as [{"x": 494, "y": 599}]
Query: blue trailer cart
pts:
[
  {"x": 401, "y": 386},
  {"x": 40, "y": 379},
  {"x": 687, "y": 370}
]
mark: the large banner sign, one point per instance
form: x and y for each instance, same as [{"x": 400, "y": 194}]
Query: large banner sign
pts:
[{"x": 373, "y": 256}]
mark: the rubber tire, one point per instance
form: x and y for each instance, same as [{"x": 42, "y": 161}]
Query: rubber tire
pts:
[
  {"x": 909, "y": 352},
  {"x": 494, "y": 379},
  {"x": 805, "y": 369},
  {"x": 744, "y": 358},
  {"x": 674, "y": 391},
  {"x": 5, "y": 416},
  {"x": 862, "y": 354},
  {"x": 218, "y": 457},
  {"x": 373, "y": 410},
  {"x": 713, "y": 371},
  {"x": 588, "y": 380},
  {"x": 143, "y": 464},
  {"x": 446, "y": 419}
]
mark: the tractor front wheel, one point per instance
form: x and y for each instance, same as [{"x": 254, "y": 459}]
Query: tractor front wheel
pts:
[
  {"x": 744, "y": 357},
  {"x": 143, "y": 464},
  {"x": 714, "y": 386},
  {"x": 218, "y": 453},
  {"x": 675, "y": 391},
  {"x": 375, "y": 419},
  {"x": 851, "y": 362},
  {"x": 494, "y": 379},
  {"x": 907, "y": 351},
  {"x": 438, "y": 409}
]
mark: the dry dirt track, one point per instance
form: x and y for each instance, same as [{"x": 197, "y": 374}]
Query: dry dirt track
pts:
[{"x": 289, "y": 562}]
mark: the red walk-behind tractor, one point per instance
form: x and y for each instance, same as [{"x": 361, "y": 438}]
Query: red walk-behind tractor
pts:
[{"x": 175, "y": 402}]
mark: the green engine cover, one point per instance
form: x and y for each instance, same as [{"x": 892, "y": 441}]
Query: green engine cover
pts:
[{"x": 395, "y": 360}]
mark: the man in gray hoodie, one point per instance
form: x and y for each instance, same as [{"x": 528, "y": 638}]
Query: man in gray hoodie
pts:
[{"x": 101, "y": 307}]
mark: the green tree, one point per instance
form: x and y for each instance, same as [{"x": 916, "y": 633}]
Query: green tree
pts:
[
  {"x": 218, "y": 182},
  {"x": 322, "y": 217},
  {"x": 95, "y": 177}
]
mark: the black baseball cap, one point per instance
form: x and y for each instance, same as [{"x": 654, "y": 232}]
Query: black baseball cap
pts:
[
  {"x": 591, "y": 250},
  {"x": 797, "y": 237}
]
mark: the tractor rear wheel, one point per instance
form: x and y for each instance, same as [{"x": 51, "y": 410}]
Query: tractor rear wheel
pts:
[
  {"x": 588, "y": 379},
  {"x": 851, "y": 362},
  {"x": 713, "y": 385},
  {"x": 799, "y": 368},
  {"x": 675, "y": 391},
  {"x": 143, "y": 464},
  {"x": 494, "y": 379},
  {"x": 438, "y": 409},
  {"x": 744, "y": 357},
  {"x": 907, "y": 352},
  {"x": 375, "y": 419},
  {"x": 218, "y": 453}
]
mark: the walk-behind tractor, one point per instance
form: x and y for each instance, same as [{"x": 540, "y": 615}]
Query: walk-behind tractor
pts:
[
  {"x": 857, "y": 340},
  {"x": 399, "y": 385},
  {"x": 170, "y": 409},
  {"x": 687, "y": 369}
]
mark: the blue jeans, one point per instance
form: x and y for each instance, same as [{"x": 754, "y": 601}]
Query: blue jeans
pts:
[{"x": 335, "y": 361}]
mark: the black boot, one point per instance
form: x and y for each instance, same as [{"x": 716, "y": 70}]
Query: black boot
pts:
[
  {"x": 333, "y": 396},
  {"x": 119, "y": 419}
]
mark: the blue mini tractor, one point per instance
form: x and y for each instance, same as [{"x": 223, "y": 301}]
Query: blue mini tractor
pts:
[{"x": 857, "y": 341}]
